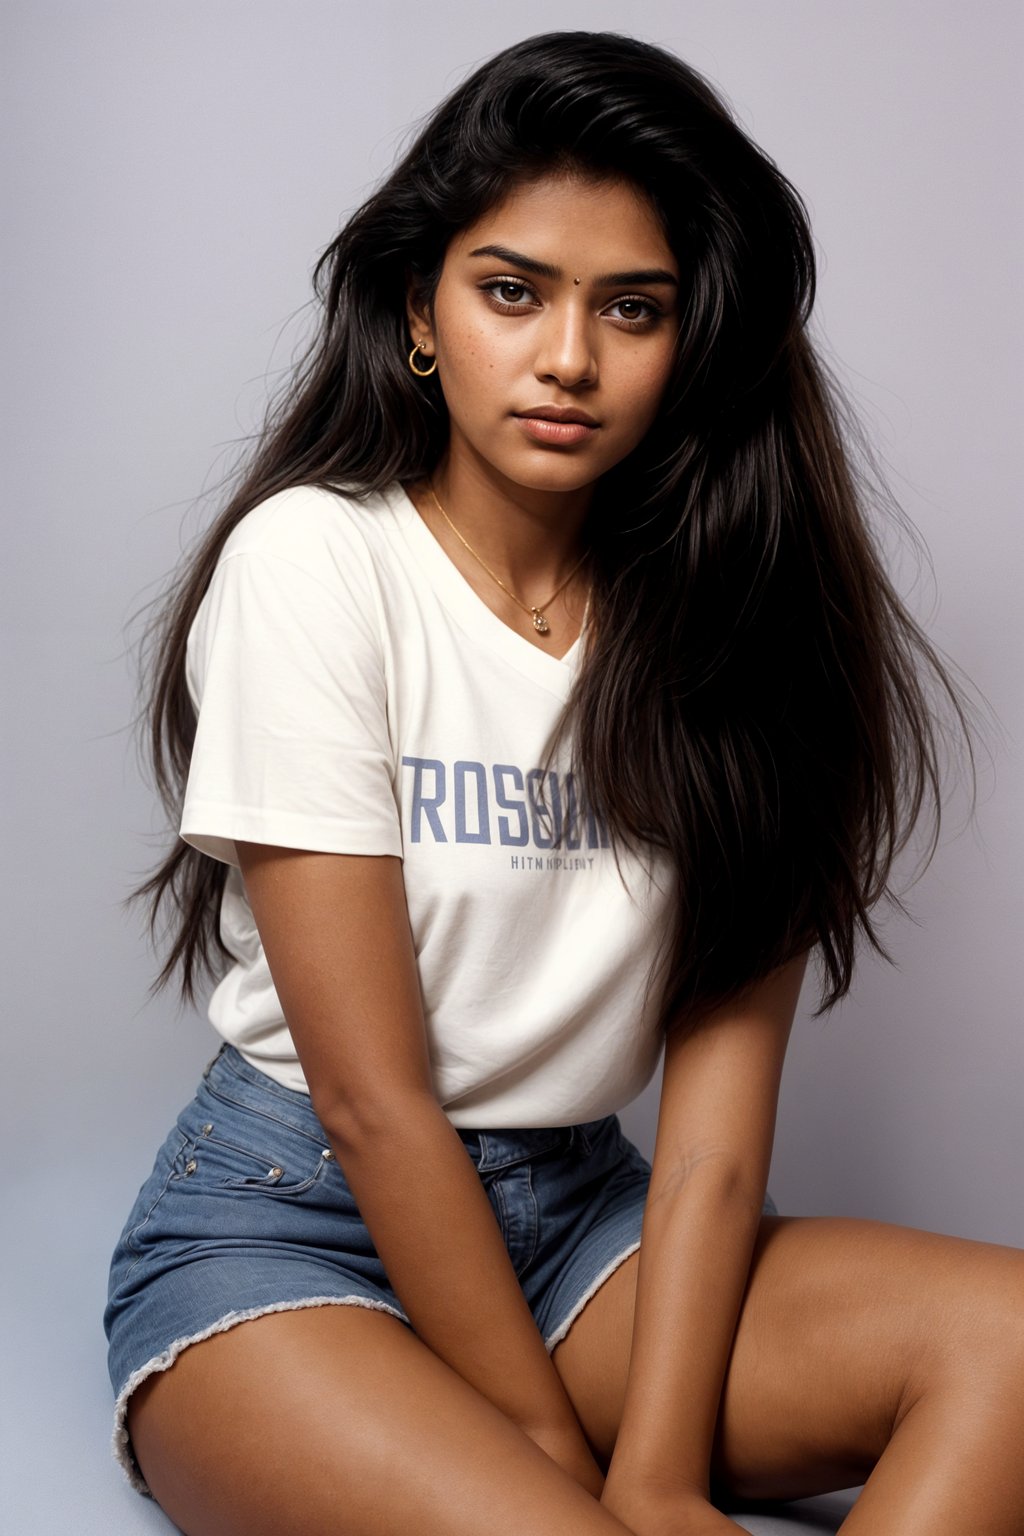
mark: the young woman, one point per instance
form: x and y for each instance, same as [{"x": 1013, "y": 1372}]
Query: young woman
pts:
[{"x": 540, "y": 700}]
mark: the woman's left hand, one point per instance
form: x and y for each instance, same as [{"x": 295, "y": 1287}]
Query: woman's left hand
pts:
[{"x": 665, "y": 1510}]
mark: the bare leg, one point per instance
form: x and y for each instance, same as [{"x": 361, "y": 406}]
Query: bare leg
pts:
[
  {"x": 955, "y": 1460},
  {"x": 338, "y": 1421},
  {"x": 865, "y": 1351}
]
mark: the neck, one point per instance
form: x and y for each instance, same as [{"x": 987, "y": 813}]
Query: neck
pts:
[{"x": 530, "y": 538}]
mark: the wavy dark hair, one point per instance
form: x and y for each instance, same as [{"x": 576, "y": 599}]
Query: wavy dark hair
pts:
[{"x": 755, "y": 700}]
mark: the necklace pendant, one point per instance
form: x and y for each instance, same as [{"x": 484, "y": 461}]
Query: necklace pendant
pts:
[{"x": 540, "y": 623}]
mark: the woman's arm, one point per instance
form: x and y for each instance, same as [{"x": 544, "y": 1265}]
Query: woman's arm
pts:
[
  {"x": 716, "y": 1126},
  {"x": 335, "y": 929}
]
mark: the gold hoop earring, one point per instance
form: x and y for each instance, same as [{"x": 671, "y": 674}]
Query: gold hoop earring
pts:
[{"x": 421, "y": 373}]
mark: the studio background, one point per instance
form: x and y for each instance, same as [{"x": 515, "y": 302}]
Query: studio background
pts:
[{"x": 170, "y": 175}]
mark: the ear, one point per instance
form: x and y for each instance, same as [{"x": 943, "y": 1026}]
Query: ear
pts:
[{"x": 419, "y": 316}]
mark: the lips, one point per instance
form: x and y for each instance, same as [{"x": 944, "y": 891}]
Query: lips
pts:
[
  {"x": 559, "y": 413},
  {"x": 557, "y": 426}
]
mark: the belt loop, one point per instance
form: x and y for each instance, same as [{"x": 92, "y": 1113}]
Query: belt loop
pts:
[
  {"x": 214, "y": 1059},
  {"x": 580, "y": 1135}
]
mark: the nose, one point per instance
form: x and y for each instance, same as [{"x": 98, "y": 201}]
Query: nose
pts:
[{"x": 565, "y": 353}]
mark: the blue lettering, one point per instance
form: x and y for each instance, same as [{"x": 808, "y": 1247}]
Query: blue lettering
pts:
[
  {"x": 420, "y": 803},
  {"x": 462, "y": 832},
  {"x": 573, "y": 834},
  {"x": 540, "y": 813},
  {"x": 537, "y": 807},
  {"x": 597, "y": 832},
  {"x": 506, "y": 836}
]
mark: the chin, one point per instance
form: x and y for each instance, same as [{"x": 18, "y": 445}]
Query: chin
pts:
[{"x": 554, "y": 470}]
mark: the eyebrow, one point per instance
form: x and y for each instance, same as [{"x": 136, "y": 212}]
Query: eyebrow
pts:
[{"x": 545, "y": 269}]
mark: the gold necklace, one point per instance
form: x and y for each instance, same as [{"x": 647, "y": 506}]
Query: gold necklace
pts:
[{"x": 540, "y": 622}]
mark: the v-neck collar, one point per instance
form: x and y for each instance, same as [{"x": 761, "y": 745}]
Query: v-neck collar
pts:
[{"x": 556, "y": 673}]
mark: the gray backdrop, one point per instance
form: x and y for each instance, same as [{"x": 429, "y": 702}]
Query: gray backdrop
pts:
[{"x": 171, "y": 173}]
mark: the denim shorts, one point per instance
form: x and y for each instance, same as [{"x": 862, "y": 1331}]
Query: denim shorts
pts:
[{"x": 247, "y": 1211}]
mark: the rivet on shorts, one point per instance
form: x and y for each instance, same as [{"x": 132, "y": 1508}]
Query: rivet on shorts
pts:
[
  {"x": 190, "y": 1167},
  {"x": 275, "y": 1173},
  {"x": 327, "y": 1155},
  {"x": 207, "y": 1129}
]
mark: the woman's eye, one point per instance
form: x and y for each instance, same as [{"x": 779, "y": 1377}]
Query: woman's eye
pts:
[
  {"x": 508, "y": 292},
  {"x": 631, "y": 312},
  {"x": 635, "y": 312}
]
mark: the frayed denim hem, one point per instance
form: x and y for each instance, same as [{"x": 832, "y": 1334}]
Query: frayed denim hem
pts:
[
  {"x": 121, "y": 1442},
  {"x": 609, "y": 1269}
]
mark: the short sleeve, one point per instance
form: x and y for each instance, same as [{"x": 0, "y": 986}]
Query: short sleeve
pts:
[{"x": 292, "y": 744}]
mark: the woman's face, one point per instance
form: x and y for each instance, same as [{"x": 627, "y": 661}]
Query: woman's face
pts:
[{"x": 561, "y": 300}]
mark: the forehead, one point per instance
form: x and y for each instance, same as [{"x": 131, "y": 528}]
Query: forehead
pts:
[{"x": 566, "y": 220}]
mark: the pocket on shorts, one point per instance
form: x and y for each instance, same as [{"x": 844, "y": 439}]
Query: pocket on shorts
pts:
[
  {"x": 245, "y": 1152},
  {"x": 277, "y": 1165}
]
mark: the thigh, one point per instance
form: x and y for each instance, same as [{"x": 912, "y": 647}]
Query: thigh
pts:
[
  {"x": 842, "y": 1320},
  {"x": 339, "y": 1421}
]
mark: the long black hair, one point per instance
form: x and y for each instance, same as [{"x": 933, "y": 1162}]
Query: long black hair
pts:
[{"x": 755, "y": 701}]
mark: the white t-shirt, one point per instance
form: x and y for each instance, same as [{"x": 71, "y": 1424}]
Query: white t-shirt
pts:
[{"x": 355, "y": 695}]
